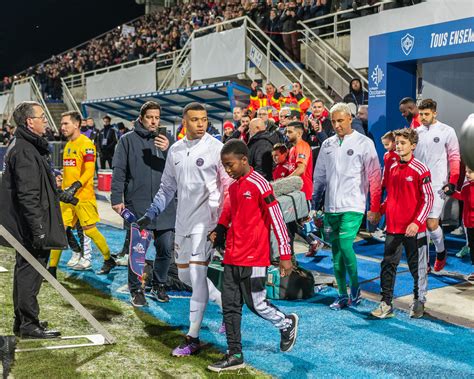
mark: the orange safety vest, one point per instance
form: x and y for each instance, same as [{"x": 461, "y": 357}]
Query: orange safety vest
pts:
[
  {"x": 302, "y": 105},
  {"x": 181, "y": 133}
]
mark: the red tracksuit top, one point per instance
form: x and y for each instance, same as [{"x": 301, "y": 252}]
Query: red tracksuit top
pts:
[
  {"x": 249, "y": 210},
  {"x": 389, "y": 158},
  {"x": 467, "y": 196},
  {"x": 409, "y": 196},
  {"x": 281, "y": 170}
]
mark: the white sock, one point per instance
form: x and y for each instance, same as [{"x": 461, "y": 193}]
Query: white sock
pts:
[
  {"x": 214, "y": 294},
  {"x": 184, "y": 275},
  {"x": 87, "y": 248},
  {"x": 199, "y": 298},
  {"x": 438, "y": 239}
]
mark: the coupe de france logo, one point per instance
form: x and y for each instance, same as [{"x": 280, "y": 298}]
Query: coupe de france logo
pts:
[{"x": 407, "y": 42}]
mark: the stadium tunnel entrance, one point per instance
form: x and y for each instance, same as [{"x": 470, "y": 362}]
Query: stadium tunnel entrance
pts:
[
  {"x": 220, "y": 98},
  {"x": 431, "y": 61}
]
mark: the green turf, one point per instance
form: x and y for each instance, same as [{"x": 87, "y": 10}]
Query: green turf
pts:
[{"x": 143, "y": 342}]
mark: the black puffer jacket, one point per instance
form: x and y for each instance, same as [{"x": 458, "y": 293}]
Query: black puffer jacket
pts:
[
  {"x": 260, "y": 153},
  {"x": 28, "y": 194},
  {"x": 138, "y": 168}
]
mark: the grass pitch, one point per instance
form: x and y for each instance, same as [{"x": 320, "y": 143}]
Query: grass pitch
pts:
[{"x": 143, "y": 343}]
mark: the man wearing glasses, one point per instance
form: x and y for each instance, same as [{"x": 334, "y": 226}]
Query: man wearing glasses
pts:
[{"x": 31, "y": 213}]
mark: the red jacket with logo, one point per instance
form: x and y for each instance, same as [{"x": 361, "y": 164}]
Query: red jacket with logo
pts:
[
  {"x": 250, "y": 210},
  {"x": 409, "y": 196},
  {"x": 467, "y": 196}
]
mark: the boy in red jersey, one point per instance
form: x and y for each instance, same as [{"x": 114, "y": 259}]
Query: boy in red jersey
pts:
[
  {"x": 408, "y": 204},
  {"x": 467, "y": 196},
  {"x": 249, "y": 211},
  {"x": 390, "y": 157},
  {"x": 280, "y": 158}
]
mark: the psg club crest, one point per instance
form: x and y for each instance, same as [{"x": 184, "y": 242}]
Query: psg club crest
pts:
[
  {"x": 407, "y": 42},
  {"x": 199, "y": 162}
]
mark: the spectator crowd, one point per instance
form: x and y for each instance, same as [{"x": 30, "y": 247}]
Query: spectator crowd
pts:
[{"x": 168, "y": 30}]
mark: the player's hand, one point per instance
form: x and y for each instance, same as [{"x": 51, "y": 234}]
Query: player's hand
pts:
[
  {"x": 161, "y": 142},
  {"x": 118, "y": 207},
  {"x": 254, "y": 85},
  {"x": 212, "y": 236},
  {"x": 412, "y": 230},
  {"x": 286, "y": 267},
  {"x": 373, "y": 217},
  {"x": 73, "y": 188},
  {"x": 59, "y": 181},
  {"x": 219, "y": 238},
  {"x": 143, "y": 222},
  {"x": 449, "y": 189}
]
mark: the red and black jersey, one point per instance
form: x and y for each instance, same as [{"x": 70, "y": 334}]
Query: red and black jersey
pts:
[
  {"x": 389, "y": 158},
  {"x": 249, "y": 211},
  {"x": 467, "y": 196},
  {"x": 409, "y": 196}
]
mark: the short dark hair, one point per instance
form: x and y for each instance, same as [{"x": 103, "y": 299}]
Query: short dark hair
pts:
[
  {"x": 428, "y": 104},
  {"x": 247, "y": 113},
  {"x": 408, "y": 133},
  {"x": 107, "y": 117},
  {"x": 297, "y": 125},
  {"x": 74, "y": 115},
  {"x": 407, "y": 100},
  {"x": 149, "y": 105},
  {"x": 281, "y": 147},
  {"x": 194, "y": 106},
  {"x": 235, "y": 146},
  {"x": 23, "y": 111}
]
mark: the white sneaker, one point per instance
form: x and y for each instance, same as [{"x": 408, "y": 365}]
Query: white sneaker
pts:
[
  {"x": 74, "y": 259},
  {"x": 122, "y": 261},
  {"x": 379, "y": 235},
  {"x": 82, "y": 265},
  {"x": 458, "y": 231}
]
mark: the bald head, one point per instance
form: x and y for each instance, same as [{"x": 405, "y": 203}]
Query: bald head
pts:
[{"x": 256, "y": 125}]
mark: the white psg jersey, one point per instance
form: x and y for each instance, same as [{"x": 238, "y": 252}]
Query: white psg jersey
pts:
[
  {"x": 437, "y": 147},
  {"x": 194, "y": 170}
]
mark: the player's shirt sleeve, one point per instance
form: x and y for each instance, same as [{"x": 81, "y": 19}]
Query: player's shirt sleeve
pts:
[
  {"x": 88, "y": 159},
  {"x": 373, "y": 172},
  {"x": 226, "y": 215},
  {"x": 270, "y": 205},
  {"x": 166, "y": 192},
  {"x": 319, "y": 177},
  {"x": 303, "y": 154},
  {"x": 454, "y": 157},
  {"x": 427, "y": 197}
]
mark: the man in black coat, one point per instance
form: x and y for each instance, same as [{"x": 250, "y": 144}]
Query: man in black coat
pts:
[
  {"x": 138, "y": 166},
  {"x": 260, "y": 148},
  {"x": 356, "y": 94},
  {"x": 31, "y": 213},
  {"x": 107, "y": 142}
]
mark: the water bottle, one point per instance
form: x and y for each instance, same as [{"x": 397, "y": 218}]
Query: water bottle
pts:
[{"x": 128, "y": 216}]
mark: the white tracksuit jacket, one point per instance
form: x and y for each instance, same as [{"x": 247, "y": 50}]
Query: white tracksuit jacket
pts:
[
  {"x": 194, "y": 170},
  {"x": 346, "y": 171},
  {"x": 437, "y": 148}
]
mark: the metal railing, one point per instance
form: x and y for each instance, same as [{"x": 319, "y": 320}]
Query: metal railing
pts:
[
  {"x": 163, "y": 61},
  {"x": 327, "y": 63},
  {"x": 36, "y": 94},
  {"x": 334, "y": 24},
  {"x": 286, "y": 66},
  {"x": 68, "y": 98}
]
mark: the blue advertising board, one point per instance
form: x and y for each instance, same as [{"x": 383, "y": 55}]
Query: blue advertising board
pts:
[{"x": 393, "y": 59}]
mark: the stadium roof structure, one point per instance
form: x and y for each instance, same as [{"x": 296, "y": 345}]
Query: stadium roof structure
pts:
[{"x": 220, "y": 98}]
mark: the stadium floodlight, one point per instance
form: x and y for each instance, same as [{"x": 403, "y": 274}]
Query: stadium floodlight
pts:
[{"x": 102, "y": 338}]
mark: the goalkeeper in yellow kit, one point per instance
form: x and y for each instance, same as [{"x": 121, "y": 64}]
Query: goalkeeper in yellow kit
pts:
[{"x": 78, "y": 198}]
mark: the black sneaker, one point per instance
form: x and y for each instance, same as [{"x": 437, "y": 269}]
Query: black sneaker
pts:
[
  {"x": 230, "y": 362},
  {"x": 159, "y": 293},
  {"x": 7, "y": 353},
  {"x": 288, "y": 335},
  {"x": 138, "y": 299},
  {"x": 108, "y": 265}
]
